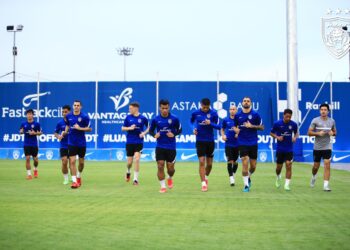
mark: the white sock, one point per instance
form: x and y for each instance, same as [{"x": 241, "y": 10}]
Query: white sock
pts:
[
  {"x": 314, "y": 176},
  {"x": 325, "y": 183},
  {"x": 169, "y": 177},
  {"x": 204, "y": 183},
  {"x": 29, "y": 172},
  {"x": 65, "y": 176},
  {"x": 279, "y": 176},
  {"x": 128, "y": 170},
  {"x": 35, "y": 169},
  {"x": 206, "y": 177},
  {"x": 287, "y": 182},
  {"x": 245, "y": 180},
  {"x": 249, "y": 174},
  {"x": 74, "y": 178},
  {"x": 232, "y": 179},
  {"x": 162, "y": 184},
  {"x": 136, "y": 175},
  {"x": 78, "y": 174}
]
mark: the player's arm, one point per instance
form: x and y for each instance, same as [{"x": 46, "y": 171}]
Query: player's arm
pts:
[
  {"x": 215, "y": 123},
  {"x": 274, "y": 135},
  {"x": 193, "y": 124},
  {"x": 296, "y": 133},
  {"x": 178, "y": 127},
  {"x": 58, "y": 136},
  {"x": 333, "y": 131},
  {"x": 152, "y": 129},
  {"x": 36, "y": 131},
  {"x": 311, "y": 131},
  {"x": 273, "y": 132},
  {"x": 127, "y": 127},
  {"x": 87, "y": 128},
  {"x": 21, "y": 129},
  {"x": 257, "y": 123},
  {"x": 222, "y": 131},
  {"x": 260, "y": 125},
  {"x": 143, "y": 133}
]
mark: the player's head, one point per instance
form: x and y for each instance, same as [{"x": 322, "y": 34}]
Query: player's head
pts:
[
  {"x": 246, "y": 102},
  {"x": 205, "y": 104},
  {"x": 324, "y": 109},
  {"x": 65, "y": 110},
  {"x": 77, "y": 105},
  {"x": 164, "y": 107},
  {"x": 233, "y": 110},
  {"x": 30, "y": 114},
  {"x": 134, "y": 108},
  {"x": 287, "y": 115}
]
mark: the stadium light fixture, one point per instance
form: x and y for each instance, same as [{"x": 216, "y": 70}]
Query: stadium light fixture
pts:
[
  {"x": 12, "y": 28},
  {"x": 125, "y": 51}
]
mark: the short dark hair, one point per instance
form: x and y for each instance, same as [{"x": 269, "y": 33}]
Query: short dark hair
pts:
[
  {"x": 66, "y": 107},
  {"x": 205, "y": 101},
  {"x": 134, "y": 104},
  {"x": 247, "y": 97},
  {"x": 30, "y": 111},
  {"x": 324, "y": 105},
  {"x": 163, "y": 102},
  {"x": 79, "y": 102},
  {"x": 288, "y": 111}
]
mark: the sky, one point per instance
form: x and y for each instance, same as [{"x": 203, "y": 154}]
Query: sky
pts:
[{"x": 183, "y": 40}]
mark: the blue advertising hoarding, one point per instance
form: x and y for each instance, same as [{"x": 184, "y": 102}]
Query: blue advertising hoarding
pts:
[{"x": 106, "y": 103}]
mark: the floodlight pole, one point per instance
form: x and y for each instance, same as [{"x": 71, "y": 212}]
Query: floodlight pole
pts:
[
  {"x": 125, "y": 51},
  {"x": 292, "y": 59},
  {"x": 14, "y": 52},
  {"x": 12, "y": 28}
]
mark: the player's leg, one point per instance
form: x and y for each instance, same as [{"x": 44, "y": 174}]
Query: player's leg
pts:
[
  {"x": 230, "y": 162},
  {"x": 253, "y": 155},
  {"x": 81, "y": 163},
  {"x": 288, "y": 174},
  {"x": 201, "y": 150},
  {"x": 73, "y": 170},
  {"x": 279, "y": 165},
  {"x": 209, "y": 153},
  {"x": 137, "y": 157},
  {"x": 317, "y": 162},
  {"x": 64, "y": 160},
  {"x": 201, "y": 160},
  {"x": 161, "y": 175},
  {"x": 35, "y": 151},
  {"x": 208, "y": 167},
  {"x": 27, "y": 163},
  {"x": 327, "y": 169},
  {"x": 129, "y": 160},
  {"x": 235, "y": 154},
  {"x": 160, "y": 158},
  {"x": 170, "y": 164},
  {"x": 243, "y": 153},
  {"x": 245, "y": 173}
]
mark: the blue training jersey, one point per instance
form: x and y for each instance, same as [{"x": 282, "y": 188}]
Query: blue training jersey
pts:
[
  {"x": 163, "y": 125},
  {"x": 61, "y": 127},
  {"x": 280, "y": 128},
  {"x": 205, "y": 133},
  {"x": 247, "y": 136},
  {"x": 30, "y": 140},
  {"x": 228, "y": 124},
  {"x": 141, "y": 123},
  {"x": 77, "y": 137}
]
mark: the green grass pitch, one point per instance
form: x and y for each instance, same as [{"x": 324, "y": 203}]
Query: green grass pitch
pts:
[{"x": 108, "y": 213}]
